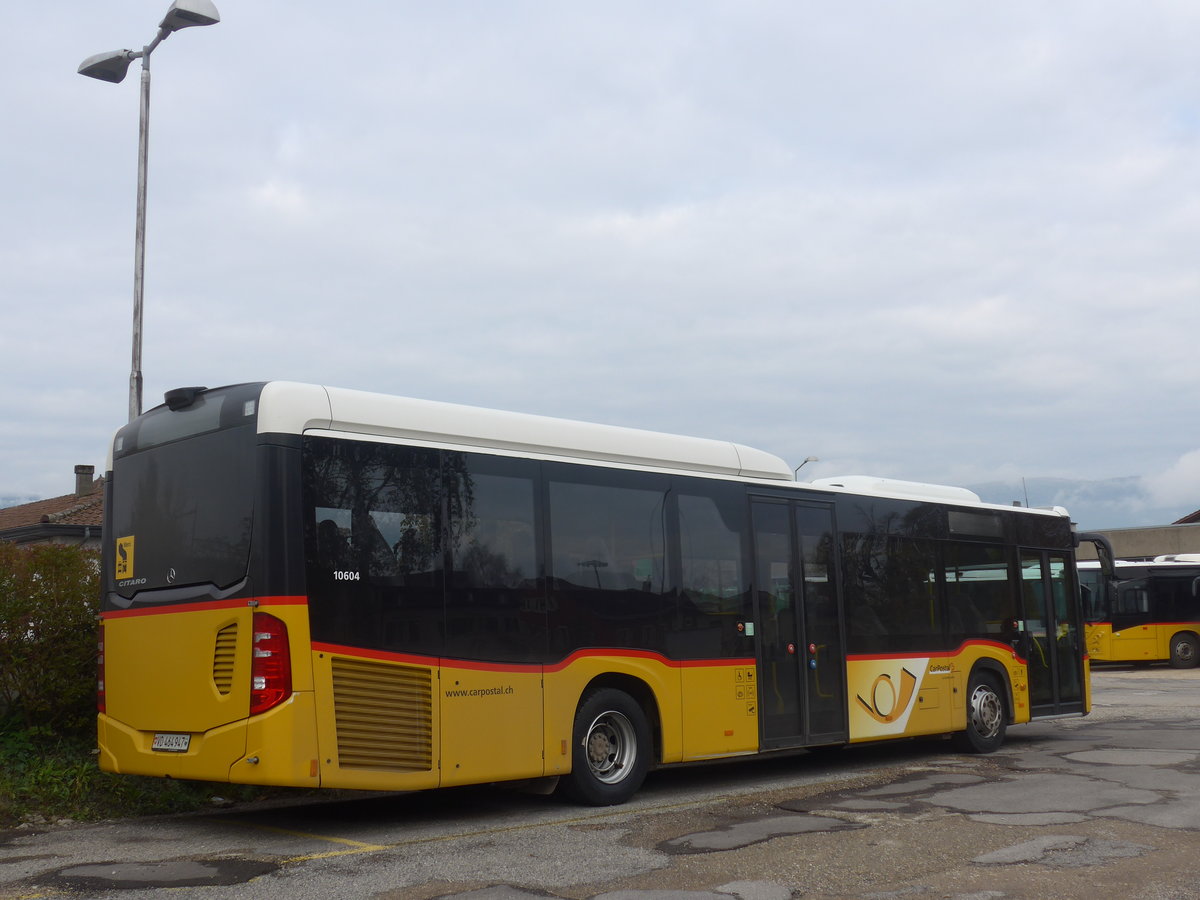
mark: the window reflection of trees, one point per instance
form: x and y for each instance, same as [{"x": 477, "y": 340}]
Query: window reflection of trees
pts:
[
  {"x": 888, "y": 563},
  {"x": 189, "y": 505},
  {"x": 385, "y": 503},
  {"x": 423, "y": 549}
]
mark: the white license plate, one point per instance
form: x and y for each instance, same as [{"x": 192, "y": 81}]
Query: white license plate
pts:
[{"x": 172, "y": 743}]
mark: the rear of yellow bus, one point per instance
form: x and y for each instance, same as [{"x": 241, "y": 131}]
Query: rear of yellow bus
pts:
[{"x": 204, "y": 671}]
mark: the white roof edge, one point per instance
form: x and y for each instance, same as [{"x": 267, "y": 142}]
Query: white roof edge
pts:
[
  {"x": 1172, "y": 560},
  {"x": 286, "y": 407},
  {"x": 290, "y": 408},
  {"x": 895, "y": 487},
  {"x": 872, "y": 485}
]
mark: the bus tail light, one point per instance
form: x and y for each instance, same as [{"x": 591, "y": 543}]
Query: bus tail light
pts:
[
  {"x": 271, "y": 664},
  {"x": 100, "y": 702}
]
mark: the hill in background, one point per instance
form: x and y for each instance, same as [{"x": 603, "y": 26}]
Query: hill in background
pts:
[{"x": 1094, "y": 505}]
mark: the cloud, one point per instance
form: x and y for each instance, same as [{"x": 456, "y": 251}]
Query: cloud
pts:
[
  {"x": 914, "y": 241},
  {"x": 1179, "y": 484},
  {"x": 282, "y": 200}
]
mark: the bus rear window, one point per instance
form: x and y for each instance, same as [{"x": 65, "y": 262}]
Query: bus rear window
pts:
[{"x": 183, "y": 497}]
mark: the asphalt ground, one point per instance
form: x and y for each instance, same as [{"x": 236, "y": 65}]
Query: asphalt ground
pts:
[{"x": 1096, "y": 807}]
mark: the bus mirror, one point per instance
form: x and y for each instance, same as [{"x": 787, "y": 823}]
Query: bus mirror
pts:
[{"x": 1104, "y": 551}]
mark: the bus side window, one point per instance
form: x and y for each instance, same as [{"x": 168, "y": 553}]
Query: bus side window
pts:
[
  {"x": 980, "y": 591},
  {"x": 609, "y": 576},
  {"x": 1133, "y": 599}
]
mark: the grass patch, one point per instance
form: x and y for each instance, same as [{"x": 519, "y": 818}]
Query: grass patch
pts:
[{"x": 46, "y": 778}]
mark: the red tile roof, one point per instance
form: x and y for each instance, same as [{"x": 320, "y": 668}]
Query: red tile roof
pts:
[{"x": 69, "y": 509}]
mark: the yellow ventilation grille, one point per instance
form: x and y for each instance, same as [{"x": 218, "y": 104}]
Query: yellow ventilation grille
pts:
[
  {"x": 384, "y": 716},
  {"x": 224, "y": 655}
]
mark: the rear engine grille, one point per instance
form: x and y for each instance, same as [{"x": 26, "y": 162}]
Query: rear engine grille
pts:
[
  {"x": 224, "y": 655},
  {"x": 384, "y": 715}
]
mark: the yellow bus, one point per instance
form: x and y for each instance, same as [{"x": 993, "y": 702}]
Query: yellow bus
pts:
[
  {"x": 1148, "y": 612},
  {"x": 312, "y": 586}
]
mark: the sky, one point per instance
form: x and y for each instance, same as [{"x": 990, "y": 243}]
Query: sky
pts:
[{"x": 943, "y": 242}]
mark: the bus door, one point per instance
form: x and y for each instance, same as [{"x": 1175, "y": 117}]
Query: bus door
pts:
[
  {"x": 798, "y": 630},
  {"x": 1133, "y": 638},
  {"x": 1053, "y": 629}
]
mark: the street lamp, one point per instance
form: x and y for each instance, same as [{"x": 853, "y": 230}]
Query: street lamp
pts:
[
  {"x": 807, "y": 460},
  {"x": 112, "y": 67}
]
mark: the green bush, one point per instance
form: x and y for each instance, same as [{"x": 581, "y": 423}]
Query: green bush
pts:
[{"x": 49, "y": 595}]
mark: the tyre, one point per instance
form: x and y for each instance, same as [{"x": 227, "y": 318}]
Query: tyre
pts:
[
  {"x": 987, "y": 718},
  {"x": 1185, "y": 652},
  {"x": 611, "y": 749}
]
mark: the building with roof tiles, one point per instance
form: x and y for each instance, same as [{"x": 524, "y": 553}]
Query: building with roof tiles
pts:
[
  {"x": 1182, "y": 536},
  {"x": 75, "y": 518}
]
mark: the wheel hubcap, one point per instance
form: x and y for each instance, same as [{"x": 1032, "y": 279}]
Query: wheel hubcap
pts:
[
  {"x": 610, "y": 746},
  {"x": 987, "y": 712}
]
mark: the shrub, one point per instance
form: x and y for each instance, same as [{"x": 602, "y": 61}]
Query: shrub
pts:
[{"x": 49, "y": 596}]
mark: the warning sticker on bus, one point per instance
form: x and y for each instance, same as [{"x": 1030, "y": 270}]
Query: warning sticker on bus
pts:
[
  {"x": 123, "y": 567},
  {"x": 171, "y": 743}
]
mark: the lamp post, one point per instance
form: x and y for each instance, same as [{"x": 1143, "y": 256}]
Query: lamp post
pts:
[
  {"x": 807, "y": 460},
  {"x": 112, "y": 67}
]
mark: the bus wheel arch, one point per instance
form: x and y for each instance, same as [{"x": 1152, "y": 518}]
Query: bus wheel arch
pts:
[
  {"x": 1185, "y": 650},
  {"x": 989, "y": 706},
  {"x": 614, "y": 741}
]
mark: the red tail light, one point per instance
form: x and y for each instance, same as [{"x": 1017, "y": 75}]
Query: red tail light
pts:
[
  {"x": 271, "y": 666},
  {"x": 100, "y": 668}
]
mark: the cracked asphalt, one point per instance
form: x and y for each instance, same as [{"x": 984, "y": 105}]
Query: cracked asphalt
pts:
[{"x": 1103, "y": 806}]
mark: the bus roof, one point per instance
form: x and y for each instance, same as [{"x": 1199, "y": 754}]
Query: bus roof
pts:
[
  {"x": 290, "y": 408},
  {"x": 1159, "y": 563},
  {"x": 286, "y": 407}
]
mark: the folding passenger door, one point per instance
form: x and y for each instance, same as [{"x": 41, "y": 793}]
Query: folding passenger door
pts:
[
  {"x": 1054, "y": 628},
  {"x": 798, "y": 625}
]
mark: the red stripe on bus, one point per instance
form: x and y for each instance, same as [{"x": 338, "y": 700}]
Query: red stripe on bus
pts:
[
  {"x": 384, "y": 655},
  {"x": 932, "y": 654},
  {"x": 478, "y": 665},
  {"x": 186, "y": 606}
]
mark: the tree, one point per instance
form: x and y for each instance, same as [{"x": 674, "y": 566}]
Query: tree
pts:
[{"x": 49, "y": 594}]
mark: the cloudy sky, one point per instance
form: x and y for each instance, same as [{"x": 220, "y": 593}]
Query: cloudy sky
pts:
[{"x": 936, "y": 241}]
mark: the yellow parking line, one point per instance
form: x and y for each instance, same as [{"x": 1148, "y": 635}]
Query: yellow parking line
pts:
[
  {"x": 358, "y": 846},
  {"x": 362, "y": 847}
]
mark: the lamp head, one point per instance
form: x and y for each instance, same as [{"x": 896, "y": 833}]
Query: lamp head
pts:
[
  {"x": 186, "y": 13},
  {"x": 807, "y": 460},
  {"x": 110, "y": 66}
]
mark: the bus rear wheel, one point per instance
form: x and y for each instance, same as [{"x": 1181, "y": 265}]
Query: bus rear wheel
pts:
[
  {"x": 610, "y": 749},
  {"x": 1184, "y": 651},
  {"x": 987, "y": 719}
]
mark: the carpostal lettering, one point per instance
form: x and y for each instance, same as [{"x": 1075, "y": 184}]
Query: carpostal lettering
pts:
[
  {"x": 480, "y": 692},
  {"x": 940, "y": 669}
]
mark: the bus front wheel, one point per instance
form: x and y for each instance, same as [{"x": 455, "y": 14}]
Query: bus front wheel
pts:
[
  {"x": 610, "y": 749},
  {"x": 986, "y": 716},
  {"x": 1184, "y": 651}
]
